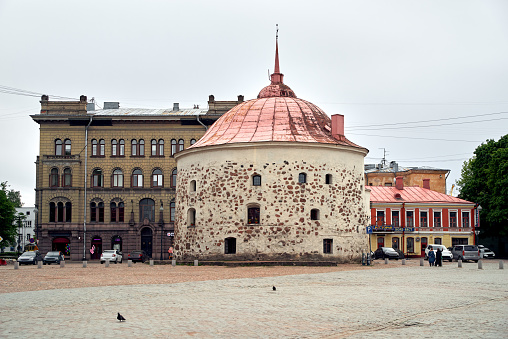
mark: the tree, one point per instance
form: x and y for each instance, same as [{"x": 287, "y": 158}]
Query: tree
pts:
[
  {"x": 484, "y": 180},
  {"x": 7, "y": 213},
  {"x": 12, "y": 195}
]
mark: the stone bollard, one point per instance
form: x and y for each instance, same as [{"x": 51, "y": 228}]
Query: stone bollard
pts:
[
  {"x": 173, "y": 262},
  {"x": 62, "y": 264},
  {"x": 386, "y": 261},
  {"x": 106, "y": 264},
  {"x": 129, "y": 263},
  {"x": 196, "y": 263},
  {"x": 501, "y": 264},
  {"x": 403, "y": 261},
  {"x": 39, "y": 264},
  {"x": 16, "y": 265},
  {"x": 85, "y": 263},
  {"x": 480, "y": 265},
  {"x": 459, "y": 263},
  {"x": 421, "y": 261},
  {"x": 151, "y": 262}
]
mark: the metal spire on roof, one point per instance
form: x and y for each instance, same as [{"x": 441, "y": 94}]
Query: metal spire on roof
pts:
[{"x": 277, "y": 76}]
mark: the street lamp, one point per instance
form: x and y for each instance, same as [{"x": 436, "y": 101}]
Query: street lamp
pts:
[{"x": 161, "y": 223}]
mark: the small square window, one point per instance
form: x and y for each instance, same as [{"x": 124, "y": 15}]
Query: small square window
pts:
[
  {"x": 256, "y": 180},
  {"x": 302, "y": 178},
  {"x": 327, "y": 246}
]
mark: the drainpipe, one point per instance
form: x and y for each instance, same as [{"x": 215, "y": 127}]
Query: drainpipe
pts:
[
  {"x": 86, "y": 176},
  {"x": 206, "y": 128},
  {"x": 403, "y": 225}
]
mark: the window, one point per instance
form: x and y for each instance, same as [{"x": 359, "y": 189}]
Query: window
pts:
[
  {"x": 180, "y": 145},
  {"x": 230, "y": 246},
  {"x": 141, "y": 147},
  {"x": 173, "y": 146},
  {"x": 97, "y": 211},
  {"x": 192, "y": 141},
  {"x": 94, "y": 148},
  {"x": 410, "y": 245},
  {"x": 67, "y": 145},
  {"x": 52, "y": 212},
  {"x": 191, "y": 217},
  {"x": 314, "y": 214},
  {"x": 67, "y": 177},
  {"x": 173, "y": 178},
  {"x": 114, "y": 148},
  {"x": 58, "y": 147},
  {"x": 157, "y": 178},
  {"x": 193, "y": 186},
  {"x": 327, "y": 246},
  {"x": 388, "y": 184},
  {"x": 256, "y": 180},
  {"x": 117, "y": 178},
  {"x": 137, "y": 148},
  {"x": 453, "y": 219},
  {"x": 302, "y": 178},
  {"x": 97, "y": 178},
  {"x": 172, "y": 211},
  {"x": 117, "y": 211},
  {"x": 253, "y": 215},
  {"x": 328, "y": 179},
  {"x": 437, "y": 220},
  {"x": 395, "y": 218},
  {"x": 137, "y": 178},
  {"x": 437, "y": 241},
  {"x": 395, "y": 243},
  {"x": 154, "y": 147},
  {"x": 157, "y": 149},
  {"x": 423, "y": 219},
  {"x": 121, "y": 150},
  {"x": 380, "y": 218},
  {"x": 60, "y": 211},
  {"x": 161, "y": 147},
  {"x": 53, "y": 177},
  {"x": 147, "y": 210},
  {"x": 102, "y": 147},
  {"x": 68, "y": 211},
  {"x": 134, "y": 148},
  {"x": 409, "y": 219},
  {"x": 465, "y": 219}
]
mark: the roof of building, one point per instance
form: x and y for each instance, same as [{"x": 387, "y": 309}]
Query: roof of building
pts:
[
  {"x": 390, "y": 194},
  {"x": 390, "y": 169},
  {"x": 148, "y": 112}
]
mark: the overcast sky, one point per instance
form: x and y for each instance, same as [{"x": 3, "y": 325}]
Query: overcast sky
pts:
[{"x": 425, "y": 80}]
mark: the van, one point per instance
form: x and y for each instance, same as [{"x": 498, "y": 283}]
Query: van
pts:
[{"x": 466, "y": 252}]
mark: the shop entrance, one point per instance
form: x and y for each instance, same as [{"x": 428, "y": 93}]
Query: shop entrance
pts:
[
  {"x": 146, "y": 241},
  {"x": 96, "y": 248},
  {"x": 423, "y": 242},
  {"x": 380, "y": 242},
  {"x": 61, "y": 244}
]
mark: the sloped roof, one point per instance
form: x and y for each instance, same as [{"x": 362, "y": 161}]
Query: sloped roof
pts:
[
  {"x": 148, "y": 112},
  {"x": 387, "y": 194}
]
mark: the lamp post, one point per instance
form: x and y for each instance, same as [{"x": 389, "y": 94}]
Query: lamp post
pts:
[
  {"x": 476, "y": 227},
  {"x": 161, "y": 223},
  {"x": 36, "y": 211}
]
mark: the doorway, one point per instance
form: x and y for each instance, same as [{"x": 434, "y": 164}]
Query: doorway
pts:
[
  {"x": 380, "y": 242},
  {"x": 62, "y": 245},
  {"x": 423, "y": 242},
  {"x": 96, "y": 248},
  {"x": 146, "y": 240}
]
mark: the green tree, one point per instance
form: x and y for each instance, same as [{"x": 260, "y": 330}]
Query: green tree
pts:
[
  {"x": 12, "y": 195},
  {"x": 7, "y": 213},
  {"x": 484, "y": 180}
]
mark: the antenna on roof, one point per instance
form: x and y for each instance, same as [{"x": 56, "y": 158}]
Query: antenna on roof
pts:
[{"x": 383, "y": 161}]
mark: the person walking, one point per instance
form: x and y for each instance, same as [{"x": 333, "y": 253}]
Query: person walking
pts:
[
  {"x": 432, "y": 257},
  {"x": 439, "y": 257}
]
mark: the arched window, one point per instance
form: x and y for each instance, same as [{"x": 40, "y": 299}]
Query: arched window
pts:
[
  {"x": 253, "y": 214},
  {"x": 94, "y": 148},
  {"x": 192, "y": 141},
  {"x": 147, "y": 210},
  {"x": 97, "y": 178},
  {"x": 172, "y": 211},
  {"x": 114, "y": 148},
  {"x": 102, "y": 147},
  {"x": 117, "y": 211},
  {"x": 154, "y": 147},
  {"x": 302, "y": 178},
  {"x": 52, "y": 212},
  {"x": 58, "y": 147},
  {"x": 193, "y": 186},
  {"x": 97, "y": 211},
  {"x": 67, "y": 144},
  {"x": 122, "y": 148},
  {"x": 161, "y": 148},
  {"x": 180, "y": 145},
  {"x": 53, "y": 177},
  {"x": 141, "y": 146},
  {"x": 173, "y": 178},
  {"x": 157, "y": 178},
  {"x": 117, "y": 178},
  {"x": 328, "y": 179},
  {"x": 191, "y": 217},
  {"x": 67, "y": 177},
  {"x": 68, "y": 211},
  {"x": 134, "y": 148},
  {"x": 60, "y": 211},
  {"x": 314, "y": 214},
  {"x": 173, "y": 147},
  {"x": 137, "y": 178},
  {"x": 256, "y": 180}
]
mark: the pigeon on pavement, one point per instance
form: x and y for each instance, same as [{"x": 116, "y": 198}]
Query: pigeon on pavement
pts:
[{"x": 120, "y": 317}]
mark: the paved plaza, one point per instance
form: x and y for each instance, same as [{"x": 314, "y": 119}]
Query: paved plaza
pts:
[{"x": 396, "y": 302}]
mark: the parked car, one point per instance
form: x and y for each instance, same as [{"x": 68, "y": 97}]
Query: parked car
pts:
[
  {"x": 466, "y": 252},
  {"x": 386, "y": 252},
  {"x": 447, "y": 254},
  {"x": 111, "y": 255},
  {"x": 30, "y": 257},
  {"x": 137, "y": 255},
  {"x": 486, "y": 252},
  {"x": 54, "y": 257}
]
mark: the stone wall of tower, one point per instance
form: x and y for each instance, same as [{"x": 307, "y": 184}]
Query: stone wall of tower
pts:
[{"x": 224, "y": 191}]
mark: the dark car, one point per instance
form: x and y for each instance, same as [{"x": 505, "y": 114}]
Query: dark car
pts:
[
  {"x": 138, "y": 255},
  {"x": 30, "y": 257},
  {"x": 54, "y": 257},
  {"x": 386, "y": 252}
]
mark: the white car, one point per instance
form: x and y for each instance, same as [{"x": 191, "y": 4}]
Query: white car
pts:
[
  {"x": 447, "y": 255},
  {"x": 112, "y": 256},
  {"x": 486, "y": 252}
]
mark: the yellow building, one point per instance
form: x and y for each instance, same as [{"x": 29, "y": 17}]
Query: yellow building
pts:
[{"x": 105, "y": 179}]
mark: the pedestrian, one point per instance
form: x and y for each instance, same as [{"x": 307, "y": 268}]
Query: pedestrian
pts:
[
  {"x": 439, "y": 257},
  {"x": 432, "y": 257}
]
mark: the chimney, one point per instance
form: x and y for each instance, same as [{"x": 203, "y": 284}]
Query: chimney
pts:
[
  {"x": 90, "y": 106},
  {"x": 240, "y": 98},
  {"x": 338, "y": 126},
  {"x": 426, "y": 183},
  {"x": 399, "y": 183},
  {"x": 176, "y": 106}
]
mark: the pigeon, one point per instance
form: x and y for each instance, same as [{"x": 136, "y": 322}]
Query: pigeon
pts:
[
  {"x": 120, "y": 317},
  {"x": 273, "y": 288}
]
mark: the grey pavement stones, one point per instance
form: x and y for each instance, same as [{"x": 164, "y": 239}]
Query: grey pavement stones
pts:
[{"x": 400, "y": 302}]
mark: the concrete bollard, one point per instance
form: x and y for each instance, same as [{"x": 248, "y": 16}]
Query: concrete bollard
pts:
[
  {"x": 106, "y": 264},
  {"x": 480, "y": 265},
  {"x": 459, "y": 263},
  {"x": 403, "y": 261},
  {"x": 151, "y": 262},
  {"x": 39, "y": 264},
  {"x": 173, "y": 262},
  {"x": 386, "y": 261},
  {"x": 501, "y": 264},
  {"x": 196, "y": 263},
  {"x": 421, "y": 262},
  {"x": 85, "y": 263},
  {"x": 62, "y": 264},
  {"x": 16, "y": 265},
  {"x": 129, "y": 263}
]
